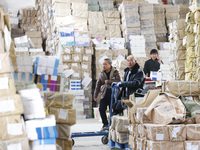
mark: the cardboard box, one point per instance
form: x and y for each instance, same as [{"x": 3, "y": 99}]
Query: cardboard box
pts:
[
  {"x": 177, "y": 133},
  {"x": 86, "y": 58},
  {"x": 58, "y": 100},
  {"x": 66, "y": 58},
  {"x": 2, "y": 50},
  {"x": 120, "y": 55},
  {"x": 11, "y": 105},
  {"x": 64, "y": 144},
  {"x": 18, "y": 143},
  {"x": 121, "y": 124},
  {"x": 141, "y": 117},
  {"x": 164, "y": 145},
  {"x": 122, "y": 138},
  {"x": 61, "y": 6},
  {"x": 184, "y": 88},
  {"x": 37, "y": 42},
  {"x": 67, "y": 116},
  {"x": 132, "y": 142},
  {"x": 111, "y": 14},
  {"x": 7, "y": 85},
  {"x": 193, "y": 131},
  {"x": 190, "y": 145},
  {"x": 4, "y": 63},
  {"x": 76, "y": 67},
  {"x": 157, "y": 132},
  {"x": 113, "y": 31},
  {"x": 112, "y": 135},
  {"x": 64, "y": 131},
  {"x": 78, "y": 50},
  {"x": 67, "y": 49},
  {"x": 88, "y": 50},
  {"x": 86, "y": 66},
  {"x": 80, "y": 6},
  {"x": 76, "y": 57},
  {"x": 12, "y": 127},
  {"x": 34, "y": 34}
]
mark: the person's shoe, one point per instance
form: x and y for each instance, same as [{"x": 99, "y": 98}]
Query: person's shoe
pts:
[{"x": 105, "y": 128}]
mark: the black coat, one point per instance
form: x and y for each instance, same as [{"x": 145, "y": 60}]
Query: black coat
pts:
[{"x": 136, "y": 80}]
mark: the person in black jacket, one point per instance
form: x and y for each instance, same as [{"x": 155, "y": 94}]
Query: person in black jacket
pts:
[
  {"x": 152, "y": 64},
  {"x": 134, "y": 77}
]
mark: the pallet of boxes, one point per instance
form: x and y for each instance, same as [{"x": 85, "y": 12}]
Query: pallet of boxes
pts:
[
  {"x": 61, "y": 105},
  {"x": 160, "y": 120},
  {"x": 13, "y": 134}
]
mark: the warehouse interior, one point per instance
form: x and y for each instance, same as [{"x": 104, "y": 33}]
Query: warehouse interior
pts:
[{"x": 99, "y": 74}]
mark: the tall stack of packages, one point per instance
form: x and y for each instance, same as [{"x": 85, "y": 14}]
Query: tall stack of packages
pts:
[
  {"x": 112, "y": 21},
  {"x": 13, "y": 135},
  {"x": 107, "y": 5},
  {"x": 118, "y": 131},
  {"x": 159, "y": 23},
  {"x": 174, "y": 12},
  {"x": 147, "y": 26},
  {"x": 96, "y": 25},
  {"x": 191, "y": 42},
  {"x": 41, "y": 130},
  {"x": 61, "y": 105},
  {"x": 93, "y": 5},
  {"x": 130, "y": 19},
  {"x": 177, "y": 50},
  {"x": 164, "y": 55}
]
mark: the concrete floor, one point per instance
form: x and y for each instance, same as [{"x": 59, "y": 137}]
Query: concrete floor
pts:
[{"x": 88, "y": 143}]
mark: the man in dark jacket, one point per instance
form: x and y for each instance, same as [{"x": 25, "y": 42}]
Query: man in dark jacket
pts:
[
  {"x": 152, "y": 64},
  {"x": 134, "y": 77},
  {"x": 103, "y": 86}
]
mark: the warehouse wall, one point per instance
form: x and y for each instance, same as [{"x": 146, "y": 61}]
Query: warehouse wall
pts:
[{"x": 16, "y": 4}]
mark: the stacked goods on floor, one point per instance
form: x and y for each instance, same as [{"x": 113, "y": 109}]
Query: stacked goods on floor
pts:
[
  {"x": 13, "y": 133},
  {"x": 159, "y": 23},
  {"x": 164, "y": 55},
  {"x": 61, "y": 105},
  {"x": 70, "y": 42},
  {"x": 41, "y": 130},
  {"x": 158, "y": 120},
  {"x": 118, "y": 131},
  {"x": 130, "y": 19},
  {"x": 174, "y": 12},
  {"x": 191, "y": 42},
  {"x": 177, "y": 50},
  {"x": 146, "y": 13}
]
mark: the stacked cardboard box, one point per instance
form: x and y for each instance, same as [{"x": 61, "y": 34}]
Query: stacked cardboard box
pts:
[
  {"x": 29, "y": 19},
  {"x": 159, "y": 23},
  {"x": 13, "y": 130},
  {"x": 177, "y": 50},
  {"x": 191, "y": 42},
  {"x": 164, "y": 55},
  {"x": 61, "y": 105},
  {"x": 112, "y": 21},
  {"x": 96, "y": 26},
  {"x": 147, "y": 26},
  {"x": 93, "y": 5},
  {"x": 130, "y": 19},
  {"x": 36, "y": 40},
  {"x": 174, "y": 12},
  {"x": 118, "y": 131}
]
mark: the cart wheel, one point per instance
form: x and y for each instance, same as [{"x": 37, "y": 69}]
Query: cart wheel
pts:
[
  {"x": 73, "y": 142},
  {"x": 104, "y": 139}
]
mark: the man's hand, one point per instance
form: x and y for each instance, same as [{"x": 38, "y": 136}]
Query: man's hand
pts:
[
  {"x": 95, "y": 99},
  {"x": 106, "y": 81}
]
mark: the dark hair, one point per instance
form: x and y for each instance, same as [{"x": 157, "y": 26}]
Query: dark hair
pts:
[
  {"x": 109, "y": 60},
  {"x": 154, "y": 51}
]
